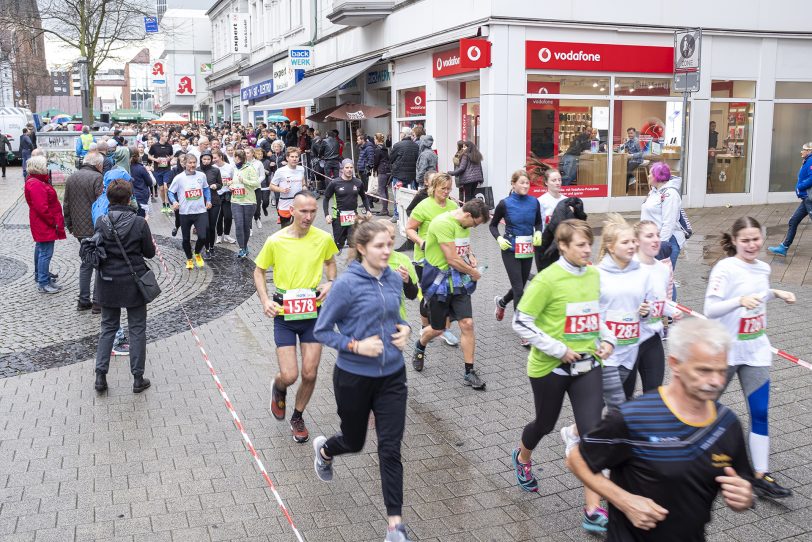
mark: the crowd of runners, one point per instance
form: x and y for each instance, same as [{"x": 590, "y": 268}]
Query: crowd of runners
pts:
[{"x": 590, "y": 326}]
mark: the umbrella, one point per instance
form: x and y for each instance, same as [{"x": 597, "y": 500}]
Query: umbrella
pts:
[
  {"x": 277, "y": 118},
  {"x": 350, "y": 112},
  {"x": 170, "y": 118},
  {"x": 60, "y": 118}
]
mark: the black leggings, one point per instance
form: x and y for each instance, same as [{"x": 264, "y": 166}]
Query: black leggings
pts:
[
  {"x": 356, "y": 397},
  {"x": 258, "y": 194},
  {"x": 266, "y": 201},
  {"x": 214, "y": 215},
  {"x": 467, "y": 191},
  {"x": 548, "y": 396},
  {"x": 518, "y": 271},
  {"x": 650, "y": 364},
  {"x": 340, "y": 233},
  {"x": 224, "y": 218},
  {"x": 200, "y": 221}
]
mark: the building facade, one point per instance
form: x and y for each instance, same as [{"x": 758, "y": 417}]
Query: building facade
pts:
[
  {"x": 22, "y": 47},
  {"x": 138, "y": 90},
  {"x": 561, "y": 87}
]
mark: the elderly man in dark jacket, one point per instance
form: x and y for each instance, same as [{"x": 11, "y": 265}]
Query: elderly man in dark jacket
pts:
[
  {"x": 81, "y": 190},
  {"x": 403, "y": 159},
  {"x": 116, "y": 285}
]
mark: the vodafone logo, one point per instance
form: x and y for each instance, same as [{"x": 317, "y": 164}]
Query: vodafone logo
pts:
[
  {"x": 418, "y": 100},
  {"x": 544, "y": 54},
  {"x": 577, "y": 56},
  {"x": 444, "y": 63},
  {"x": 474, "y": 53}
]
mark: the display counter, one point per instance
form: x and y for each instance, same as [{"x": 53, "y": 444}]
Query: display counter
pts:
[{"x": 728, "y": 174}]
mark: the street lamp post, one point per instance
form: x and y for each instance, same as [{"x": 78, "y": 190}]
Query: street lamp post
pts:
[{"x": 85, "y": 88}]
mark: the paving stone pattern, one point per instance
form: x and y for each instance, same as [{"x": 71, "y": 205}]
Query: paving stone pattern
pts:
[{"x": 168, "y": 464}]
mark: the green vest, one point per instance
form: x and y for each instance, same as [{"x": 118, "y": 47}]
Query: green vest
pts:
[{"x": 87, "y": 139}]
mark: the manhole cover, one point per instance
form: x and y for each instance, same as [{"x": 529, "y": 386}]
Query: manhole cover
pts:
[{"x": 11, "y": 269}]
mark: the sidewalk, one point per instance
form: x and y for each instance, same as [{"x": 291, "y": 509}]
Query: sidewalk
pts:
[{"x": 168, "y": 464}]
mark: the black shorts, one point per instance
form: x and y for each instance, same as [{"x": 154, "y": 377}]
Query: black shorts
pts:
[
  {"x": 286, "y": 332},
  {"x": 456, "y": 307}
]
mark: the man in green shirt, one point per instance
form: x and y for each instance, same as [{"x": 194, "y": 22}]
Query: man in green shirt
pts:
[{"x": 448, "y": 252}]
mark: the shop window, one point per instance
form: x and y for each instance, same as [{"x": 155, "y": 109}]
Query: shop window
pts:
[
  {"x": 412, "y": 102},
  {"x": 644, "y": 132},
  {"x": 469, "y": 111},
  {"x": 730, "y": 135},
  {"x": 566, "y": 135},
  {"x": 469, "y": 89},
  {"x": 791, "y": 124},
  {"x": 567, "y": 84},
  {"x": 733, "y": 89},
  {"x": 644, "y": 86},
  {"x": 791, "y": 89}
]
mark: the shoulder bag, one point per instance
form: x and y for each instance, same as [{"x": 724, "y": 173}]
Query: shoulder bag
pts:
[{"x": 147, "y": 283}]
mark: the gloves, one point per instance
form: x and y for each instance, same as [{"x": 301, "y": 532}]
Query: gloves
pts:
[
  {"x": 536, "y": 238},
  {"x": 504, "y": 244}
]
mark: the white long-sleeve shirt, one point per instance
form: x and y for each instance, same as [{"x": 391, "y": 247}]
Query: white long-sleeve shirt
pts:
[
  {"x": 662, "y": 207},
  {"x": 660, "y": 292}
]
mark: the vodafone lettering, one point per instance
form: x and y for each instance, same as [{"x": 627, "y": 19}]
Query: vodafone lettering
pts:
[
  {"x": 447, "y": 63},
  {"x": 546, "y": 55}
]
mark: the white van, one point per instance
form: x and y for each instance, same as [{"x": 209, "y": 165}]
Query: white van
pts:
[{"x": 12, "y": 122}]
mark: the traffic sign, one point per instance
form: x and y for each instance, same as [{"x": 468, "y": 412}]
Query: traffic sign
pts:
[
  {"x": 151, "y": 25},
  {"x": 687, "y": 58}
]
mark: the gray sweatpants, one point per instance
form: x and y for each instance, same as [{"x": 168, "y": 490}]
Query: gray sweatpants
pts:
[{"x": 242, "y": 214}]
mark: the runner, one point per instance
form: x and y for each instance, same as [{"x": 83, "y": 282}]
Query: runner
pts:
[
  {"x": 737, "y": 295},
  {"x": 298, "y": 255},
  {"x": 215, "y": 182},
  {"x": 346, "y": 189},
  {"x": 160, "y": 153},
  {"x": 191, "y": 197},
  {"x": 370, "y": 375},
  {"x": 559, "y": 314},
  {"x": 523, "y": 225},
  {"x": 548, "y": 202},
  {"x": 224, "y": 218},
  {"x": 449, "y": 278},
  {"x": 243, "y": 199},
  {"x": 651, "y": 355},
  {"x": 262, "y": 192},
  {"x": 670, "y": 451},
  {"x": 286, "y": 183},
  {"x": 433, "y": 205},
  {"x": 406, "y": 269}
]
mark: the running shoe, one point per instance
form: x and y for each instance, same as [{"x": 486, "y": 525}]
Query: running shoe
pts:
[
  {"x": 323, "y": 468},
  {"x": 259, "y": 224},
  {"x": 121, "y": 350},
  {"x": 190, "y": 264},
  {"x": 298, "y": 430},
  {"x": 199, "y": 261},
  {"x": 780, "y": 250},
  {"x": 242, "y": 253},
  {"x": 524, "y": 473},
  {"x": 398, "y": 534},
  {"x": 218, "y": 240},
  {"x": 228, "y": 239},
  {"x": 418, "y": 359},
  {"x": 472, "y": 379},
  {"x": 768, "y": 488},
  {"x": 597, "y": 521},
  {"x": 450, "y": 339},
  {"x": 570, "y": 438},
  {"x": 499, "y": 312},
  {"x": 277, "y": 405},
  {"x": 524, "y": 342}
]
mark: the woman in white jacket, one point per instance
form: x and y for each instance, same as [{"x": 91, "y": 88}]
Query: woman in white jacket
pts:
[{"x": 662, "y": 207}]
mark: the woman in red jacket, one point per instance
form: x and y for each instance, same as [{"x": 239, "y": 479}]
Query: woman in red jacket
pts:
[{"x": 47, "y": 222}]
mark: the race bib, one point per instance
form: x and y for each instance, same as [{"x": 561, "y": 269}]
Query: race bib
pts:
[
  {"x": 462, "y": 244},
  {"x": 625, "y": 326},
  {"x": 753, "y": 324},
  {"x": 299, "y": 304},
  {"x": 346, "y": 218},
  {"x": 523, "y": 246},
  {"x": 656, "y": 311},
  {"x": 193, "y": 194},
  {"x": 163, "y": 161},
  {"x": 238, "y": 191},
  {"x": 582, "y": 321}
]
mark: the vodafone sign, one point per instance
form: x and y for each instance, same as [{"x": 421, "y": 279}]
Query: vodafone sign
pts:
[
  {"x": 560, "y": 55},
  {"x": 448, "y": 63}
]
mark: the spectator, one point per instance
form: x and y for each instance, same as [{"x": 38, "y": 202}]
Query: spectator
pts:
[
  {"x": 292, "y": 136},
  {"x": 380, "y": 166},
  {"x": 427, "y": 160},
  {"x": 366, "y": 158},
  {"x": 4, "y": 142},
  {"x": 46, "y": 220},
  {"x": 403, "y": 161},
  {"x": 330, "y": 154},
  {"x": 469, "y": 173},
  {"x": 116, "y": 285},
  {"x": 81, "y": 190},
  {"x": 26, "y": 147},
  {"x": 83, "y": 143},
  {"x": 142, "y": 182}
]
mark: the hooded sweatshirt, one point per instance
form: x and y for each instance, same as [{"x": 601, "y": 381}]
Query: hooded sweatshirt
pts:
[
  {"x": 427, "y": 159},
  {"x": 360, "y": 306},
  {"x": 622, "y": 292},
  {"x": 121, "y": 156},
  {"x": 213, "y": 177}
]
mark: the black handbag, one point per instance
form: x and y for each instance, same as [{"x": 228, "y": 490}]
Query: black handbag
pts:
[{"x": 147, "y": 283}]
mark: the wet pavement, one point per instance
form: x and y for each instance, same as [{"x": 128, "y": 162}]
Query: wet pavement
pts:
[{"x": 168, "y": 464}]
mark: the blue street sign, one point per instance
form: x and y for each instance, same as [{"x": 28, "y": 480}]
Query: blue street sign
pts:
[{"x": 151, "y": 25}]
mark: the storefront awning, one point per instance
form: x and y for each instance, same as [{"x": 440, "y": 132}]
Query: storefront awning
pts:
[{"x": 304, "y": 93}]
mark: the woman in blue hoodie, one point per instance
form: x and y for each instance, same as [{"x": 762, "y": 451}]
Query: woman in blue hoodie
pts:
[
  {"x": 805, "y": 208},
  {"x": 361, "y": 320}
]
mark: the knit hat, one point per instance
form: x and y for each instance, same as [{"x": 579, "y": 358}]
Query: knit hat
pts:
[{"x": 346, "y": 161}]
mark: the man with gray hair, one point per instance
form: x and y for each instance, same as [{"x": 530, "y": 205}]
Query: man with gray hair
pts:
[
  {"x": 81, "y": 190},
  {"x": 672, "y": 450}
]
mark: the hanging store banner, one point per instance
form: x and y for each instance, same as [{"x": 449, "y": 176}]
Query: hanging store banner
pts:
[
  {"x": 185, "y": 85},
  {"x": 601, "y": 57},
  {"x": 240, "y": 36},
  {"x": 159, "y": 73}
]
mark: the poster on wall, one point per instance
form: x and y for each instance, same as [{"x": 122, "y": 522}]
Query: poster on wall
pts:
[{"x": 415, "y": 103}]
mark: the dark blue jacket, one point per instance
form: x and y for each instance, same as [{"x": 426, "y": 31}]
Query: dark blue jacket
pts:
[
  {"x": 522, "y": 216},
  {"x": 804, "y": 178},
  {"x": 366, "y": 156},
  {"x": 362, "y": 306},
  {"x": 141, "y": 183}
]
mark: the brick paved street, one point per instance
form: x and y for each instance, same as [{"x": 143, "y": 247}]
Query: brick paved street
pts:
[{"x": 168, "y": 464}]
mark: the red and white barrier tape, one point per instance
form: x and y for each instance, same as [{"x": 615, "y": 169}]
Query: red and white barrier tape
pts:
[
  {"x": 780, "y": 353},
  {"x": 237, "y": 422}
]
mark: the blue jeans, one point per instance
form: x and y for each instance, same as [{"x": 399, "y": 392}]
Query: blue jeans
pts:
[
  {"x": 26, "y": 154},
  {"x": 43, "y": 252},
  {"x": 674, "y": 255},
  {"x": 804, "y": 209}
]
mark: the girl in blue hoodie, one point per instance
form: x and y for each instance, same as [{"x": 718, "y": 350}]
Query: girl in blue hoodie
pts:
[{"x": 361, "y": 320}]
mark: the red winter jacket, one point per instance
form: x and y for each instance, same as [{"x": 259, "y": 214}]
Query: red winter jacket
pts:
[{"x": 44, "y": 210}]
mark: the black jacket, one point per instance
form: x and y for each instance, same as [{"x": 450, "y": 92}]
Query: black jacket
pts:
[
  {"x": 213, "y": 177},
  {"x": 331, "y": 150},
  {"x": 381, "y": 161},
  {"x": 141, "y": 183},
  {"x": 548, "y": 252},
  {"x": 403, "y": 159},
  {"x": 117, "y": 286}
]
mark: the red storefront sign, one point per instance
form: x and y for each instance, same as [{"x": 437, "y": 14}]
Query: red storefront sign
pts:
[
  {"x": 602, "y": 57},
  {"x": 415, "y": 103},
  {"x": 448, "y": 63},
  {"x": 475, "y": 54}
]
